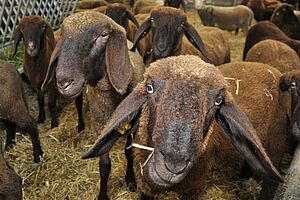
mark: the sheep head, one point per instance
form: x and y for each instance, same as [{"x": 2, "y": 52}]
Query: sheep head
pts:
[
  {"x": 33, "y": 30},
  {"x": 175, "y": 3},
  {"x": 120, "y": 13},
  {"x": 167, "y": 26},
  {"x": 92, "y": 46},
  {"x": 177, "y": 104},
  {"x": 291, "y": 80}
]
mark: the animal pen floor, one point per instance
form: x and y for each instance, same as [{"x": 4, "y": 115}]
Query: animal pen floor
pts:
[{"x": 64, "y": 175}]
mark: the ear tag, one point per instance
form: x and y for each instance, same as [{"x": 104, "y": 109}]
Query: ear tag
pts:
[{"x": 122, "y": 130}]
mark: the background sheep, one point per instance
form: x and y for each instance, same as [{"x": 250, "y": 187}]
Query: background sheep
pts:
[
  {"x": 276, "y": 54},
  {"x": 39, "y": 43},
  {"x": 11, "y": 183},
  {"x": 81, "y": 59},
  {"x": 227, "y": 18},
  {"x": 167, "y": 25},
  {"x": 267, "y": 30},
  {"x": 124, "y": 17},
  {"x": 145, "y": 6},
  {"x": 15, "y": 113},
  {"x": 284, "y": 17},
  {"x": 175, "y": 106}
]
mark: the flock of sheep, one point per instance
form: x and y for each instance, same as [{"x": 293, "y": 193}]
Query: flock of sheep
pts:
[{"x": 170, "y": 88}]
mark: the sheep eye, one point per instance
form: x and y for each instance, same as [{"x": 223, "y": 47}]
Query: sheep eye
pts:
[
  {"x": 150, "y": 88},
  {"x": 104, "y": 34},
  {"x": 293, "y": 85},
  {"x": 182, "y": 24},
  {"x": 218, "y": 101}
]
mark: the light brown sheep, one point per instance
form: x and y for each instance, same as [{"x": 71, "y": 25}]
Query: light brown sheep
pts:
[
  {"x": 177, "y": 109},
  {"x": 94, "y": 52}
]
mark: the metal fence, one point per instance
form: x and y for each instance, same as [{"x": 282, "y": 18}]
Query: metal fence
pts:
[{"x": 11, "y": 11}]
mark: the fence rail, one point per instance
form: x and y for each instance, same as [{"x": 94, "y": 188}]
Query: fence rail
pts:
[{"x": 11, "y": 11}]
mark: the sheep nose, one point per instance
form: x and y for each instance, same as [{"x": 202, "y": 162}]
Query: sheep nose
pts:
[
  {"x": 30, "y": 45},
  {"x": 176, "y": 167},
  {"x": 64, "y": 83},
  {"x": 161, "y": 47}
]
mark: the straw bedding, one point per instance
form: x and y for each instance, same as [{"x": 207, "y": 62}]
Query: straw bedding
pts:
[{"x": 63, "y": 175}]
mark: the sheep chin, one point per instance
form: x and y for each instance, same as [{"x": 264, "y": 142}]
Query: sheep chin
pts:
[
  {"x": 160, "y": 178},
  {"x": 74, "y": 89}
]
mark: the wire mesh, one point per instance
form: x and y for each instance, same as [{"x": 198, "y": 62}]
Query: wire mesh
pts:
[{"x": 54, "y": 11}]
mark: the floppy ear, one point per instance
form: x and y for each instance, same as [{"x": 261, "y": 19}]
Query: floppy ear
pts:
[
  {"x": 52, "y": 66},
  {"x": 193, "y": 36},
  {"x": 50, "y": 35},
  {"x": 142, "y": 31},
  {"x": 285, "y": 82},
  {"x": 118, "y": 65},
  {"x": 131, "y": 17},
  {"x": 241, "y": 134},
  {"x": 17, "y": 39},
  {"x": 124, "y": 113}
]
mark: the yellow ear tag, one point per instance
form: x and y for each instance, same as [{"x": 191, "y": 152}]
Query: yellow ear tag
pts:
[{"x": 123, "y": 128}]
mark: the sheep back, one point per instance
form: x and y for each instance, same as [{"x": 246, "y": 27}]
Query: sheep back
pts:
[
  {"x": 264, "y": 104},
  {"x": 276, "y": 54}
]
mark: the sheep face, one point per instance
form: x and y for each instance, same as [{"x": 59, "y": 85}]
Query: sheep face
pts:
[
  {"x": 167, "y": 26},
  {"x": 176, "y": 105},
  {"x": 10, "y": 182},
  {"x": 120, "y": 14},
  {"x": 291, "y": 80},
  {"x": 92, "y": 46},
  {"x": 34, "y": 30}
]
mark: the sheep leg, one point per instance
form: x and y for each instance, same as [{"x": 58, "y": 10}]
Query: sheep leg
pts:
[
  {"x": 268, "y": 189},
  {"x": 10, "y": 135},
  {"x": 105, "y": 167},
  {"x": 32, "y": 130},
  {"x": 78, "y": 102},
  {"x": 236, "y": 31},
  {"x": 41, "y": 102},
  {"x": 129, "y": 177},
  {"x": 246, "y": 171},
  {"x": 146, "y": 197},
  {"x": 52, "y": 98}
]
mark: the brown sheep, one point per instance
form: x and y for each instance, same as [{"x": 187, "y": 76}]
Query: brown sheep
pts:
[
  {"x": 10, "y": 182},
  {"x": 274, "y": 53},
  {"x": 90, "y": 4},
  {"x": 285, "y": 18},
  {"x": 262, "y": 9},
  {"x": 177, "y": 109},
  {"x": 39, "y": 43},
  {"x": 121, "y": 14},
  {"x": 145, "y": 6},
  {"x": 94, "y": 52},
  {"x": 14, "y": 111},
  {"x": 167, "y": 26},
  {"x": 267, "y": 30}
]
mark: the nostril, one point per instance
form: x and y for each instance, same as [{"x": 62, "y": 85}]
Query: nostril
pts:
[{"x": 63, "y": 83}]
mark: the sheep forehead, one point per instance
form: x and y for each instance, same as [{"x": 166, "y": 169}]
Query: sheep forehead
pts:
[
  {"x": 34, "y": 19},
  {"x": 168, "y": 11},
  {"x": 189, "y": 68},
  {"x": 76, "y": 24}
]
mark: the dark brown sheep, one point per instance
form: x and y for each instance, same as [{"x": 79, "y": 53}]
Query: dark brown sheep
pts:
[
  {"x": 284, "y": 17},
  {"x": 39, "y": 43},
  {"x": 177, "y": 109},
  {"x": 276, "y": 54},
  {"x": 94, "y": 52},
  {"x": 13, "y": 109},
  {"x": 262, "y": 9},
  {"x": 267, "y": 30},
  {"x": 167, "y": 26},
  {"x": 121, "y": 14},
  {"x": 90, "y": 4},
  {"x": 10, "y": 182},
  {"x": 175, "y": 3}
]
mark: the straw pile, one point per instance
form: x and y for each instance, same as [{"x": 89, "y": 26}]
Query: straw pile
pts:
[{"x": 63, "y": 175}]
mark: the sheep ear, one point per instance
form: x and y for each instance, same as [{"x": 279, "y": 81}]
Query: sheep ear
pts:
[
  {"x": 285, "y": 82},
  {"x": 52, "y": 66},
  {"x": 118, "y": 65},
  {"x": 241, "y": 134},
  {"x": 142, "y": 31},
  {"x": 131, "y": 17},
  {"x": 17, "y": 39},
  {"x": 50, "y": 35},
  {"x": 193, "y": 36},
  {"x": 127, "y": 110}
]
